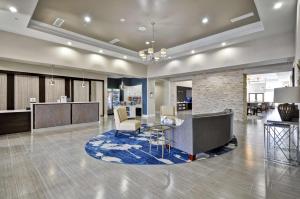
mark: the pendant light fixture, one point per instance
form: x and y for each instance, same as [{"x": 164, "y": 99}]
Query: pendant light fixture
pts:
[
  {"x": 52, "y": 82},
  {"x": 122, "y": 85},
  {"x": 83, "y": 82},
  {"x": 150, "y": 54}
]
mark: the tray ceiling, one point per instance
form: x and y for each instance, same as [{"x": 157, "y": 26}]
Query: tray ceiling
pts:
[{"x": 177, "y": 21}]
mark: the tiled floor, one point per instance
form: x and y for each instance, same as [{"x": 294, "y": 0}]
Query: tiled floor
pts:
[{"x": 54, "y": 165}]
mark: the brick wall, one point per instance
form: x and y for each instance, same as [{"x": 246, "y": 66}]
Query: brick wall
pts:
[{"x": 213, "y": 92}]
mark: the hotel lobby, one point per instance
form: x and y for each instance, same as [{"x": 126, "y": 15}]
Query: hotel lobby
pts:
[{"x": 149, "y": 99}]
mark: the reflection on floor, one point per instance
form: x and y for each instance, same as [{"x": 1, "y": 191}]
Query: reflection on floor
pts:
[{"x": 55, "y": 165}]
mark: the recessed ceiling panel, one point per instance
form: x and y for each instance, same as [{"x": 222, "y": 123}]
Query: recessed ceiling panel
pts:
[{"x": 177, "y": 21}]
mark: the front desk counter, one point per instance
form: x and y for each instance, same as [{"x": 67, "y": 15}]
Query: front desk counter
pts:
[{"x": 45, "y": 115}]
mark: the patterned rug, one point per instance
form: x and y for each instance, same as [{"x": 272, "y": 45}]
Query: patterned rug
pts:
[{"x": 132, "y": 148}]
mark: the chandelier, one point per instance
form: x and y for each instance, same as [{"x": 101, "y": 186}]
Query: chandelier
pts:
[{"x": 150, "y": 54}]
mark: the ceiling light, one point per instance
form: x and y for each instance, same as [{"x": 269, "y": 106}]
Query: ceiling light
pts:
[
  {"x": 142, "y": 28},
  {"x": 149, "y": 53},
  {"x": 224, "y": 44},
  {"x": 58, "y": 22},
  {"x": 125, "y": 57},
  {"x": 163, "y": 52},
  {"x": 114, "y": 41},
  {"x": 150, "y": 50},
  {"x": 87, "y": 19},
  {"x": 69, "y": 43},
  {"x": 245, "y": 16},
  {"x": 122, "y": 20},
  {"x": 277, "y": 5},
  {"x": 205, "y": 20},
  {"x": 100, "y": 51},
  {"x": 13, "y": 9},
  {"x": 193, "y": 52}
]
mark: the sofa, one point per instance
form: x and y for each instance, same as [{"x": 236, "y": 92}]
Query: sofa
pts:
[
  {"x": 123, "y": 123},
  {"x": 203, "y": 132}
]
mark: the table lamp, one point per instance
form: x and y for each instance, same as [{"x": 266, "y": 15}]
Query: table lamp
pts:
[{"x": 288, "y": 96}]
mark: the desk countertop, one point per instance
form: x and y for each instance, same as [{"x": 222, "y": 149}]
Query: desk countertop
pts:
[
  {"x": 15, "y": 111},
  {"x": 47, "y": 103}
]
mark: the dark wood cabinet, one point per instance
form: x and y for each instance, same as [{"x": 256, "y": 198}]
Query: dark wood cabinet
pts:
[{"x": 15, "y": 122}]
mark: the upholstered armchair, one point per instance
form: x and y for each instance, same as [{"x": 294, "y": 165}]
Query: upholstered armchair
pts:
[
  {"x": 168, "y": 111},
  {"x": 123, "y": 123}
]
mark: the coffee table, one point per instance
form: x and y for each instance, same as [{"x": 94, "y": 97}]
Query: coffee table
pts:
[{"x": 160, "y": 131}]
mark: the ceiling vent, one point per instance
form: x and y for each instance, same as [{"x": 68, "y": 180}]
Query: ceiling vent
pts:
[
  {"x": 58, "y": 22},
  {"x": 114, "y": 41},
  {"x": 245, "y": 16}
]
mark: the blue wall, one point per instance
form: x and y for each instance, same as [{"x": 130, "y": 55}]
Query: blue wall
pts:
[{"x": 115, "y": 83}]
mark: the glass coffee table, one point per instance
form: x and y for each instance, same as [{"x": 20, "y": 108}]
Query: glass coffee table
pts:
[{"x": 159, "y": 135}]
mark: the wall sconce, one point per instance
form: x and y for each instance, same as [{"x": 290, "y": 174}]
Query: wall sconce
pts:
[{"x": 151, "y": 94}]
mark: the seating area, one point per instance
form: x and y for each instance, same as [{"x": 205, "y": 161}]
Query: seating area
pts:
[
  {"x": 123, "y": 123},
  {"x": 179, "y": 99}
]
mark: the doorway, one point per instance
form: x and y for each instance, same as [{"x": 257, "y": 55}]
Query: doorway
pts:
[{"x": 260, "y": 93}]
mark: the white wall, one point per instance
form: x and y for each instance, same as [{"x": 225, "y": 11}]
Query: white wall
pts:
[
  {"x": 161, "y": 94},
  {"x": 297, "y": 45},
  {"x": 27, "y": 49},
  {"x": 298, "y": 32},
  {"x": 266, "y": 49},
  {"x": 151, "y": 98}
]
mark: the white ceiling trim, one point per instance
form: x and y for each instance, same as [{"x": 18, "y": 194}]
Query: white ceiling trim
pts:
[
  {"x": 207, "y": 43},
  {"x": 83, "y": 42},
  {"x": 214, "y": 41}
]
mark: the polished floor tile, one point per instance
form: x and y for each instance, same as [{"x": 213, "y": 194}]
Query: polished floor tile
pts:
[{"x": 53, "y": 164}]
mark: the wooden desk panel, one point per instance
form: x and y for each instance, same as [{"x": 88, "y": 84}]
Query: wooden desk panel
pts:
[
  {"x": 51, "y": 115},
  {"x": 85, "y": 112},
  {"x": 15, "y": 122}
]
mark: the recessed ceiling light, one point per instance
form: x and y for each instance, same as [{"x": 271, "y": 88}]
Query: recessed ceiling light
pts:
[
  {"x": 277, "y": 5},
  {"x": 69, "y": 43},
  {"x": 87, "y": 19},
  {"x": 205, "y": 20},
  {"x": 142, "y": 28},
  {"x": 100, "y": 51},
  {"x": 122, "y": 20},
  {"x": 224, "y": 44},
  {"x": 193, "y": 52},
  {"x": 125, "y": 57},
  {"x": 147, "y": 42},
  {"x": 13, "y": 9}
]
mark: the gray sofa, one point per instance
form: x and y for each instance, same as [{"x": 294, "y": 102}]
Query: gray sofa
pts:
[{"x": 203, "y": 132}]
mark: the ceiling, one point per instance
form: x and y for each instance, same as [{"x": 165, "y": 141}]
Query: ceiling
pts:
[
  {"x": 177, "y": 21},
  {"x": 270, "y": 22}
]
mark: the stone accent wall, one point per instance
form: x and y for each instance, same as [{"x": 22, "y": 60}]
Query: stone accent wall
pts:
[{"x": 213, "y": 92}]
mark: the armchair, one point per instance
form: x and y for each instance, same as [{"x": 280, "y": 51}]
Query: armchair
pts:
[
  {"x": 168, "y": 111},
  {"x": 123, "y": 123}
]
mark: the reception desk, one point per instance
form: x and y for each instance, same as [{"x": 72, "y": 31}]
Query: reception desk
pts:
[
  {"x": 45, "y": 115},
  {"x": 14, "y": 121}
]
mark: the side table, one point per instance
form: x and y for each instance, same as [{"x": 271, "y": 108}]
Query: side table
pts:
[{"x": 281, "y": 141}]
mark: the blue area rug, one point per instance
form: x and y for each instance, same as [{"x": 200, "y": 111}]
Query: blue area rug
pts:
[{"x": 133, "y": 148}]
